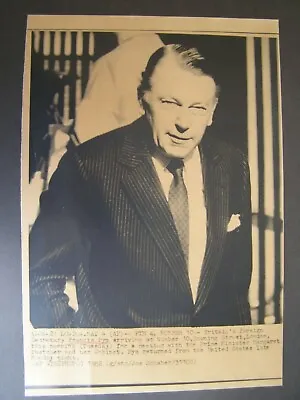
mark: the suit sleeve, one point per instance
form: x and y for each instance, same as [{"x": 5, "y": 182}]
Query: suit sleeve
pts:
[
  {"x": 56, "y": 247},
  {"x": 243, "y": 265}
]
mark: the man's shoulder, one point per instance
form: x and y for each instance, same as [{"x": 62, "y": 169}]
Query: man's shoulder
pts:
[
  {"x": 111, "y": 142},
  {"x": 218, "y": 148},
  {"x": 101, "y": 142}
]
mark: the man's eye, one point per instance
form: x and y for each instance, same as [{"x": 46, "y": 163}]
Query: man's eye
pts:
[
  {"x": 169, "y": 102},
  {"x": 201, "y": 108},
  {"x": 198, "y": 110}
]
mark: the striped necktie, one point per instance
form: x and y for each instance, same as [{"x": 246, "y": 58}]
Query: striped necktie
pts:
[{"x": 178, "y": 203}]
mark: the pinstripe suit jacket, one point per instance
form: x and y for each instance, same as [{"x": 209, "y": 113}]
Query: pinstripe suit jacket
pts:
[{"x": 105, "y": 221}]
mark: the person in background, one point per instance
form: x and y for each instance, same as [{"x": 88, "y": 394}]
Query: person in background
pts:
[{"x": 110, "y": 98}]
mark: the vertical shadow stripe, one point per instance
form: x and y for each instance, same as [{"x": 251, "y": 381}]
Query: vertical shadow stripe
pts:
[
  {"x": 261, "y": 170},
  {"x": 276, "y": 166}
]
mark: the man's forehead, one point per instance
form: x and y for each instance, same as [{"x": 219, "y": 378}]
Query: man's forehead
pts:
[
  {"x": 167, "y": 63},
  {"x": 171, "y": 75}
]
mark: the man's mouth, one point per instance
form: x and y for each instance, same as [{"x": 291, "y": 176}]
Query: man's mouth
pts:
[{"x": 177, "y": 139}]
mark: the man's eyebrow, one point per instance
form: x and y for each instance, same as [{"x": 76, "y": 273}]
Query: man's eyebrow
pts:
[{"x": 198, "y": 103}]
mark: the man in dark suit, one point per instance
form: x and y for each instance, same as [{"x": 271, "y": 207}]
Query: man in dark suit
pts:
[{"x": 152, "y": 219}]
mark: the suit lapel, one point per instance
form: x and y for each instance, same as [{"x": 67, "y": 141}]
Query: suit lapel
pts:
[
  {"x": 142, "y": 186},
  {"x": 216, "y": 187}
]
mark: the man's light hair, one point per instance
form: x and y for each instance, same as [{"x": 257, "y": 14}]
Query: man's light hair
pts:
[{"x": 187, "y": 57}]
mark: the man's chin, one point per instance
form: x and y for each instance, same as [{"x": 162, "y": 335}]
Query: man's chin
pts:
[{"x": 177, "y": 152}]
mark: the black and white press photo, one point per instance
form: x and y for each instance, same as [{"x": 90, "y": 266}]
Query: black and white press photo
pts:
[{"x": 152, "y": 199}]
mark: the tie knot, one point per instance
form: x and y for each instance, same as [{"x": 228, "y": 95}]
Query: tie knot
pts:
[{"x": 175, "y": 166}]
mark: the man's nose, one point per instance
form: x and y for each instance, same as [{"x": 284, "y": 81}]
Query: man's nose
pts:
[
  {"x": 181, "y": 128},
  {"x": 182, "y": 122}
]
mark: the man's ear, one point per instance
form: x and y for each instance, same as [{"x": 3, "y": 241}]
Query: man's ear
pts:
[
  {"x": 212, "y": 111},
  {"x": 143, "y": 100}
]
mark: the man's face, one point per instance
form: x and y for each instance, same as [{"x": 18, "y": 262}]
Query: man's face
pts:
[{"x": 181, "y": 104}]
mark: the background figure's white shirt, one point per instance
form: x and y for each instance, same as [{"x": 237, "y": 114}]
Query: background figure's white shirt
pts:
[
  {"x": 110, "y": 99},
  {"x": 192, "y": 176}
]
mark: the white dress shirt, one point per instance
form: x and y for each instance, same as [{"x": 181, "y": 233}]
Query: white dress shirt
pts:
[{"x": 192, "y": 176}]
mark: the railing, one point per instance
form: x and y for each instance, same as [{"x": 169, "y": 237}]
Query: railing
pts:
[
  {"x": 265, "y": 159},
  {"x": 70, "y": 54}
]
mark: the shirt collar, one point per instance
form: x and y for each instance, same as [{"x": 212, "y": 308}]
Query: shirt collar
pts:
[{"x": 164, "y": 160}]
